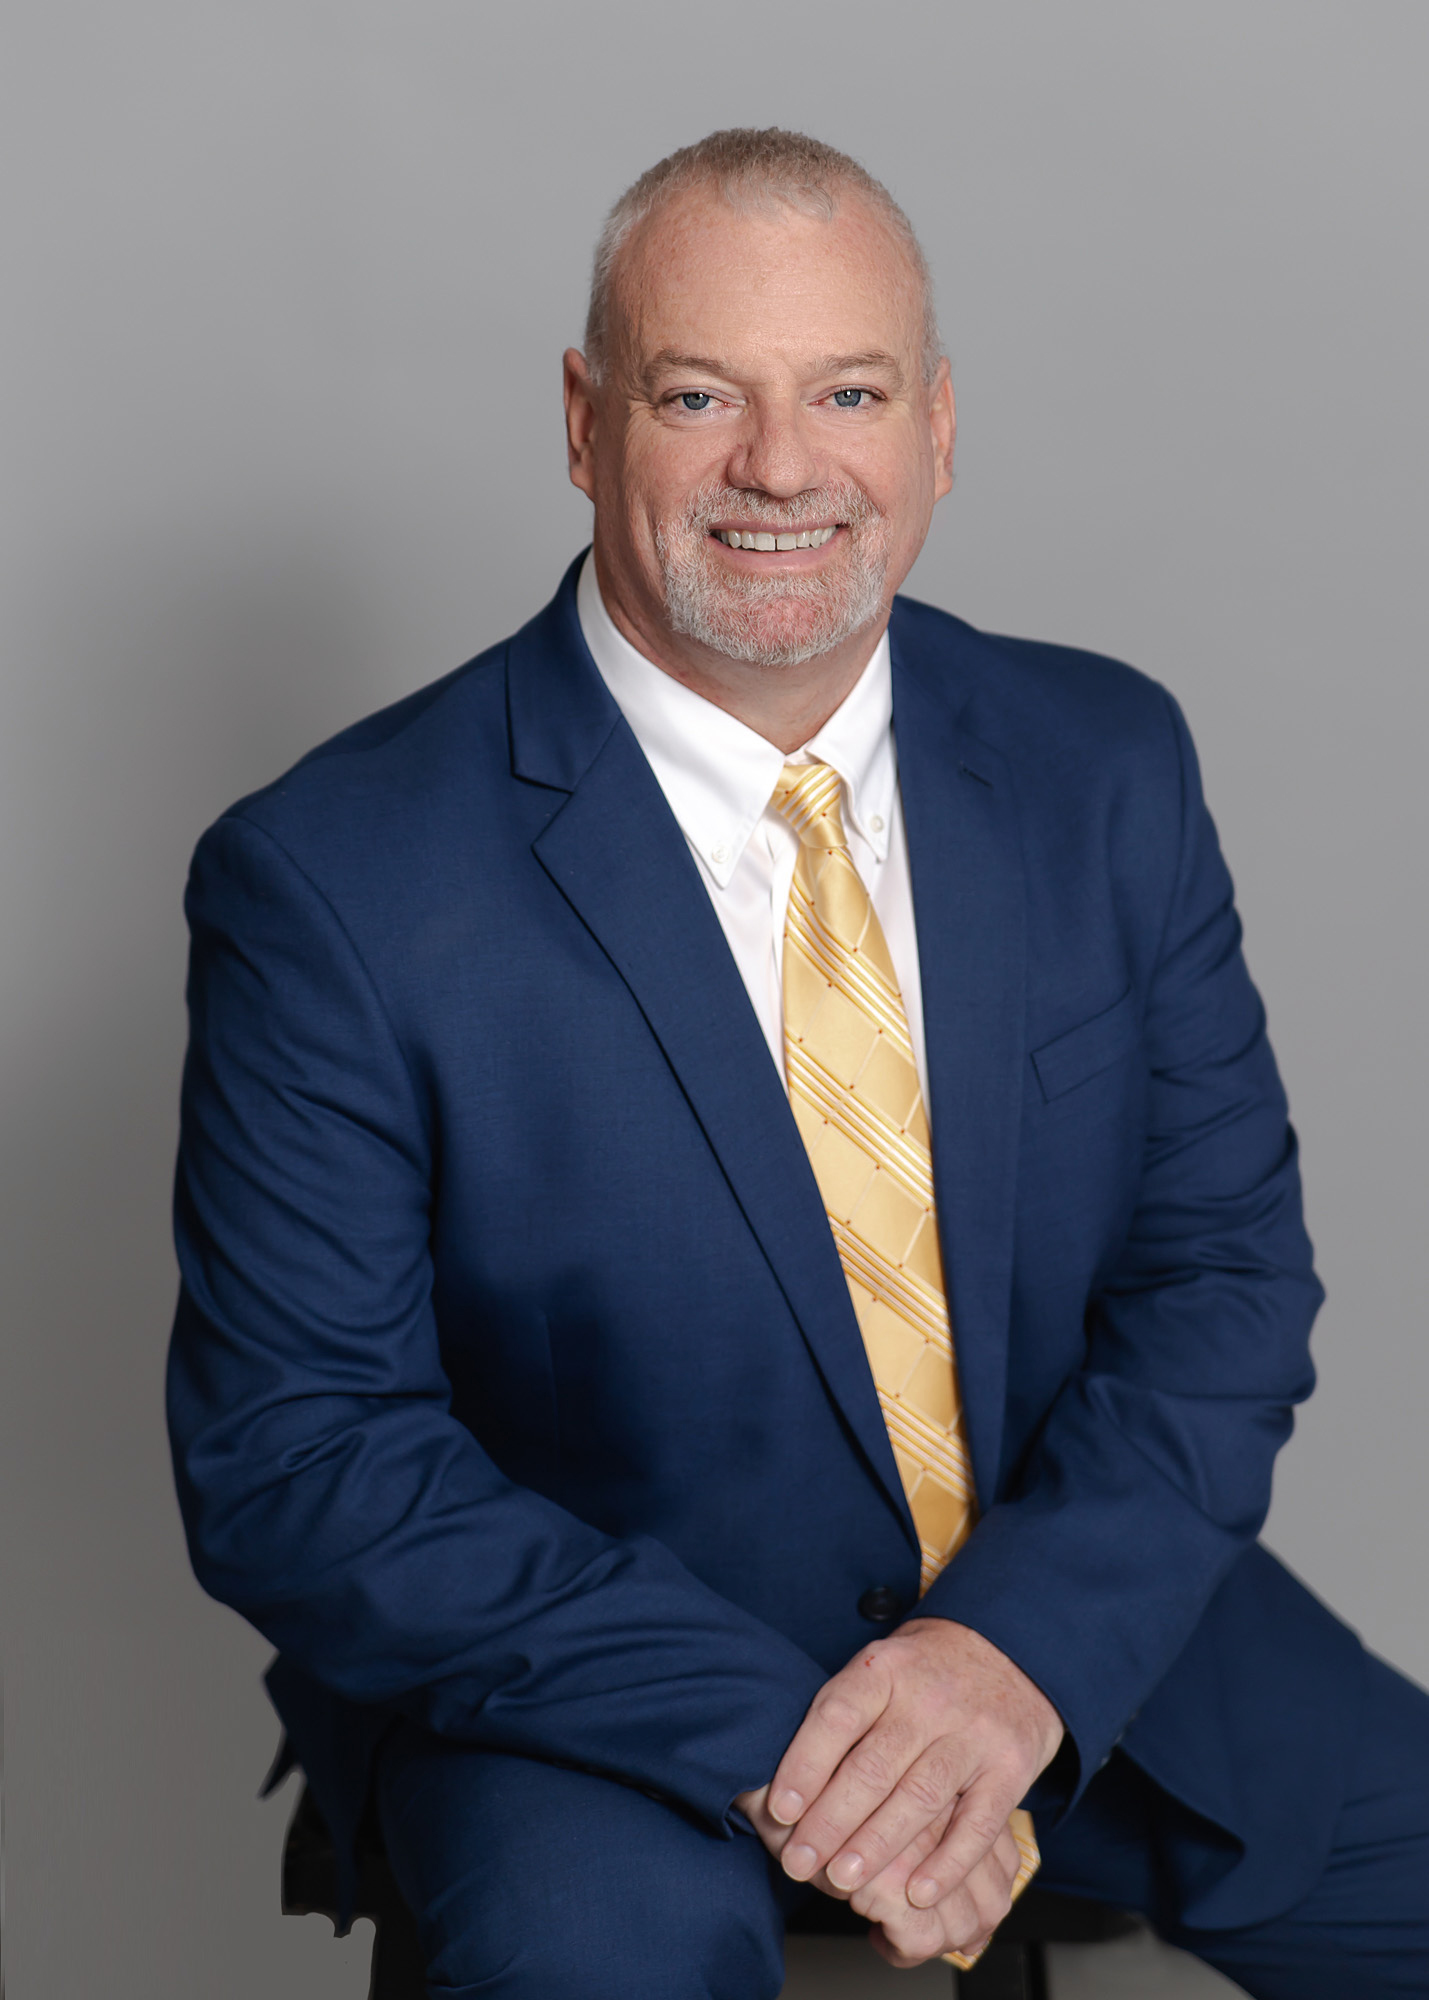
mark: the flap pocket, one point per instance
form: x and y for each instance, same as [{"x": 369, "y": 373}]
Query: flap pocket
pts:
[{"x": 1085, "y": 1051}]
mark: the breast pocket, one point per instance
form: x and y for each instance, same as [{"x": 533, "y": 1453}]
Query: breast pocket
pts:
[{"x": 1088, "y": 1049}]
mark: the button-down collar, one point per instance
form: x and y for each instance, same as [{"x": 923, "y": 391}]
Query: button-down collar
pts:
[{"x": 717, "y": 773}]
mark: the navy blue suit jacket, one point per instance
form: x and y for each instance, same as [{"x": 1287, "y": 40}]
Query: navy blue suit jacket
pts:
[{"x": 515, "y": 1385}]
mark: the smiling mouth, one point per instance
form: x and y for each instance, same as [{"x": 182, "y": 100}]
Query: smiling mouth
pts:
[{"x": 768, "y": 544}]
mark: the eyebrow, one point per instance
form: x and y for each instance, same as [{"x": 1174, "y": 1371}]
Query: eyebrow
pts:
[
  {"x": 668, "y": 361},
  {"x": 855, "y": 364}
]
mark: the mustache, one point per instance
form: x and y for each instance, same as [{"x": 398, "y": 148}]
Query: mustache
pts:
[{"x": 842, "y": 501}]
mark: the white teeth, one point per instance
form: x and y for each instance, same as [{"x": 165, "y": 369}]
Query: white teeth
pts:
[{"x": 806, "y": 538}]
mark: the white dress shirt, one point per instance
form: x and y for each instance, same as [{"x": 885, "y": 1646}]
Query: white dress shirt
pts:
[{"x": 718, "y": 776}]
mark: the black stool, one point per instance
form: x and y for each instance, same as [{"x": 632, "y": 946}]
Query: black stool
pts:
[{"x": 1013, "y": 1967}]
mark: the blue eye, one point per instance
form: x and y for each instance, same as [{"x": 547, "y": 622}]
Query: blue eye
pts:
[
  {"x": 848, "y": 399},
  {"x": 695, "y": 399}
]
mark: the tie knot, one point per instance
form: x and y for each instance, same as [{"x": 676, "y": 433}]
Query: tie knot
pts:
[{"x": 808, "y": 796}]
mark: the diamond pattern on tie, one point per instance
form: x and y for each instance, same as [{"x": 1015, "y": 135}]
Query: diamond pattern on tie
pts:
[{"x": 858, "y": 1102}]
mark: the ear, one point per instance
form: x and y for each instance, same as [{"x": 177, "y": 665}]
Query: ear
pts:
[
  {"x": 581, "y": 398},
  {"x": 943, "y": 423}
]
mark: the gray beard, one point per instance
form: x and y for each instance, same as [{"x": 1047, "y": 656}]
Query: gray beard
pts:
[{"x": 732, "y": 614}]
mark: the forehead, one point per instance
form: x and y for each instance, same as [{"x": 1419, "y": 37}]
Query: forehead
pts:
[{"x": 702, "y": 277}]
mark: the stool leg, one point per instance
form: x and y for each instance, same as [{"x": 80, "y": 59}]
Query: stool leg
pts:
[{"x": 1038, "y": 1984}]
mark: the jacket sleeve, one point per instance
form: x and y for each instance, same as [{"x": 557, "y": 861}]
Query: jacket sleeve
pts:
[
  {"x": 1152, "y": 1471},
  {"x": 328, "y": 1493}
]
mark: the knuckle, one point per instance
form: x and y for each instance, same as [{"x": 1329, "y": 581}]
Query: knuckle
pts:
[
  {"x": 925, "y": 1790},
  {"x": 982, "y": 1825},
  {"x": 930, "y": 1783},
  {"x": 916, "y": 1933},
  {"x": 870, "y": 1767},
  {"x": 839, "y": 1712}
]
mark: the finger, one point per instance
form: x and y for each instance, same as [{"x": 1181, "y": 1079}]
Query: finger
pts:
[
  {"x": 753, "y": 1804},
  {"x": 979, "y": 1817},
  {"x": 1009, "y": 1854},
  {"x": 903, "y": 1961},
  {"x": 910, "y": 1938},
  {"x": 928, "y": 1789},
  {"x": 989, "y": 1890},
  {"x": 755, "y": 1807},
  {"x": 983, "y": 1898},
  {"x": 958, "y": 1926},
  {"x": 966, "y": 1919},
  {"x": 843, "y": 1710},
  {"x": 886, "y": 1894},
  {"x": 864, "y": 1779}
]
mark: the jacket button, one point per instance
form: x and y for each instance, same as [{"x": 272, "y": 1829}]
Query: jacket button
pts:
[{"x": 881, "y": 1604}]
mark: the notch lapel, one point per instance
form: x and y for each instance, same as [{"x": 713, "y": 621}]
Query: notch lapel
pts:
[
  {"x": 616, "y": 853},
  {"x": 969, "y": 899}
]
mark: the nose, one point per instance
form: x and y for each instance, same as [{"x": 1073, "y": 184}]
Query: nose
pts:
[{"x": 775, "y": 453}]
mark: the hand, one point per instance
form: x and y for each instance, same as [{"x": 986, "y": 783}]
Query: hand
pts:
[
  {"x": 933, "y": 1727},
  {"x": 963, "y": 1921}
]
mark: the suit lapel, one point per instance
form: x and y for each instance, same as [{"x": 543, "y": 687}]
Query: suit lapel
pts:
[
  {"x": 616, "y": 853},
  {"x": 968, "y": 893}
]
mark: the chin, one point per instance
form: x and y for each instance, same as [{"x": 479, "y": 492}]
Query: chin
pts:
[
  {"x": 776, "y": 628},
  {"x": 781, "y": 638}
]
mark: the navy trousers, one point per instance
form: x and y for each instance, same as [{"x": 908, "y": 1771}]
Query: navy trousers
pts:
[{"x": 535, "y": 1882}]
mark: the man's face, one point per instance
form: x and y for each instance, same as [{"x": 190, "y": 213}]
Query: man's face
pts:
[{"x": 764, "y": 382}]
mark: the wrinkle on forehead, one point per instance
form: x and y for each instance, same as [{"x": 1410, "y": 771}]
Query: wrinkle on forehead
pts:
[
  {"x": 697, "y": 254},
  {"x": 873, "y": 360}
]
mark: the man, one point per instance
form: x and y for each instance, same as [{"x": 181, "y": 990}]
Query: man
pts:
[{"x": 742, "y": 1258}]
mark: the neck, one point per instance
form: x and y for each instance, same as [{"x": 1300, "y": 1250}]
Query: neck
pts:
[{"x": 784, "y": 705}]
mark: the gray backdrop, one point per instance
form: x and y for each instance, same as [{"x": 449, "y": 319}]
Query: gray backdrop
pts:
[{"x": 288, "y": 285}]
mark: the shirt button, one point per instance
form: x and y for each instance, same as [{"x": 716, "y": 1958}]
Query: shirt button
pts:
[
  {"x": 876, "y": 822},
  {"x": 719, "y": 855}
]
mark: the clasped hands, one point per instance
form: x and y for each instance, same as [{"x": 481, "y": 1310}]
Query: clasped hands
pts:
[{"x": 895, "y": 1793}]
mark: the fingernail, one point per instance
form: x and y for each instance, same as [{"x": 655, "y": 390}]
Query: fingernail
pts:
[
  {"x": 923, "y": 1892},
  {"x": 800, "y": 1862},
  {"x": 786, "y": 1807},
  {"x": 845, "y": 1870}
]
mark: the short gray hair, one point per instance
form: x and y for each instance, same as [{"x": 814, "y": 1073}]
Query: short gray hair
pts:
[{"x": 753, "y": 170}]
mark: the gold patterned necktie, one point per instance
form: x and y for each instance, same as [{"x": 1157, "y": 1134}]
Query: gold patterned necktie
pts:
[{"x": 858, "y": 1103}]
